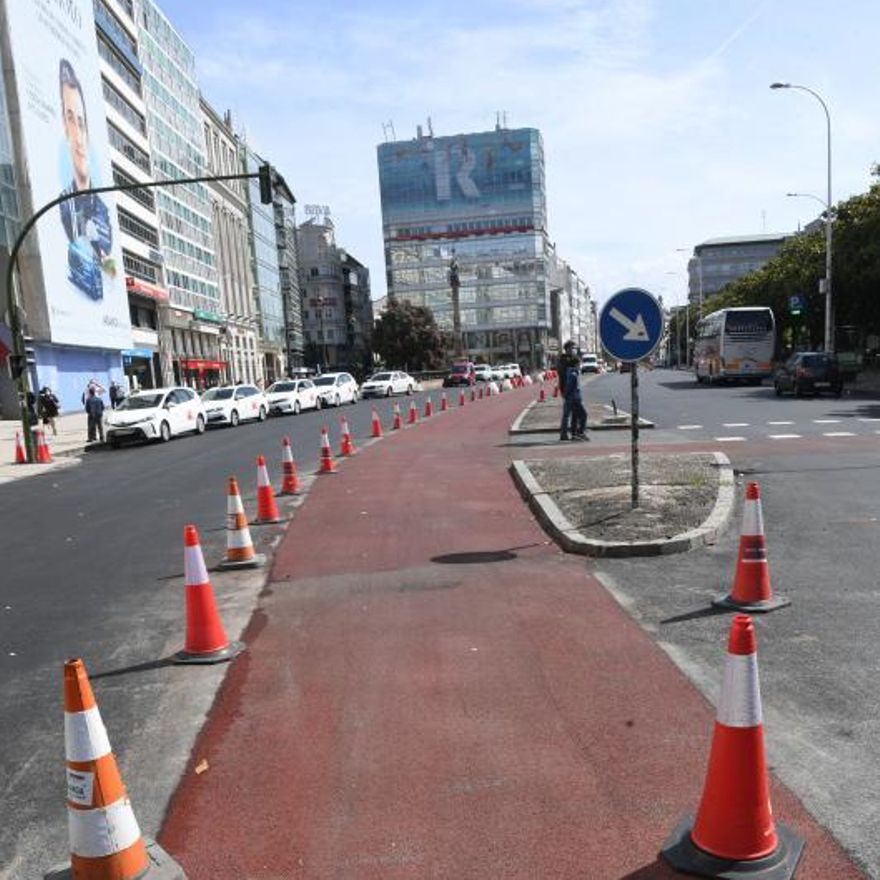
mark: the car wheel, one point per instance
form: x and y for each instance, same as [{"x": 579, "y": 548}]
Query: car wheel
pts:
[
  {"x": 296, "y": 407},
  {"x": 164, "y": 432},
  {"x": 409, "y": 390},
  {"x": 233, "y": 418},
  {"x": 200, "y": 424},
  {"x": 262, "y": 415},
  {"x": 388, "y": 391},
  {"x": 337, "y": 401}
]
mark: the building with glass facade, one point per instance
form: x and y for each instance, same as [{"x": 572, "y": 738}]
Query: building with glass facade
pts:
[
  {"x": 192, "y": 320},
  {"x": 477, "y": 199},
  {"x": 288, "y": 269}
]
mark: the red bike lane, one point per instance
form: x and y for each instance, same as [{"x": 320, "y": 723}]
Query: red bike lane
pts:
[{"x": 432, "y": 689}]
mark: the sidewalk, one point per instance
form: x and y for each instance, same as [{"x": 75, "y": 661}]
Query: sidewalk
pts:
[
  {"x": 71, "y": 440},
  {"x": 432, "y": 689}
]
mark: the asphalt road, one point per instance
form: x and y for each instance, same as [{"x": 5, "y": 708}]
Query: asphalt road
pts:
[
  {"x": 92, "y": 567},
  {"x": 818, "y": 467}
]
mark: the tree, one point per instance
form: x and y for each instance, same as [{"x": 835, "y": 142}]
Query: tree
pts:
[{"x": 407, "y": 336}]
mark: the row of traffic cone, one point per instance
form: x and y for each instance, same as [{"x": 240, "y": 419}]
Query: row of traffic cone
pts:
[{"x": 43, "y": 453}]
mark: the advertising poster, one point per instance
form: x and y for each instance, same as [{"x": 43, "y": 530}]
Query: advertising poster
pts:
[{"x": 66, "y": 149}]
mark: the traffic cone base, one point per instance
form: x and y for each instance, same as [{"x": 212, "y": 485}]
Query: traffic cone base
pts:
[
  {"x": 20, "y": 457},
  {"x": 684, "y": 855},
  {"x": 161, "y": 866},
  {"x": 751, "y": 607},
  {"x": 221, "y": 655}
]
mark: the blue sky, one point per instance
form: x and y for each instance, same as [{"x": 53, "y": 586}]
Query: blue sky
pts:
[{"x": 659, "y": 128}]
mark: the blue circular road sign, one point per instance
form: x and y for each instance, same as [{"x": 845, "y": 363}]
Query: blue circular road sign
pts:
[{"x": 631, "y": 324}]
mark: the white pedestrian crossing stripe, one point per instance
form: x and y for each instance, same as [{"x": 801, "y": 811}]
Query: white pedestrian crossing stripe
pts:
[
  {"x": 780, "y": 423},
  {"x": 826, "y": 421},
  {"x": 735, "y": 425},
  {"x": 729, "y": 439},
  {"x": 785, "y": 436},
  {"x": 838, "y": 434},
  {"x": 689, "y": 427}
]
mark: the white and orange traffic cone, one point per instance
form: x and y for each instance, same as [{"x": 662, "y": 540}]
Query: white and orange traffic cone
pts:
[
  {"x": 734, "y": 834},
  {"x": 206, "y": 640},
  {"x": 44, "y": 456},
  {"x": 444, "y": 403},
  {"x": 376, "y": 427},
  {"x": 397, "y": 424},
  {"x": 240, "y": 551},
  {"x": 346, "y": 444},
  {"x": 751, "y": 585},
  {"x": 527, "y": 380},
  {"x": 429, "y": 408},
  {"x": 20, "y": 457},
  {"x": 328, "y": 466},
  {"x": 267, "y": 508},
  {"x": 290, "y": 482},
  {"x": 461, "y": 397},
  {"x": 413, "y": 413},
  {"x": 105, "y": 839}
]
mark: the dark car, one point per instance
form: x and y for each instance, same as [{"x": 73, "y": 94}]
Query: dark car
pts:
[
  {"x": 809, "y": 372},
  {"x": 460, "y": 374}
]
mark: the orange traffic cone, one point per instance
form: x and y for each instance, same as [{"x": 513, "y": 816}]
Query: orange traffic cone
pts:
[
  {"x": 44, "y": 456},
  {"x": 20, "y": 457},
  {"x": 751, "y": 585},
  {"x": 240, "y": 551},
  {"x": 397, "y": 424},
  {"x": 413, "y": 413},
  {"x": 461, "y": 397},
  {"x": 376, "y": 428},
  {"x": 290, "y": 485},
  {"x": 206, "y": 640},
  {"x": 267, "y": 509},
  {"x": 542, "y": 397},
  {"x": 328, "y": 466},
  {"x": 734, "y": 834},
  {"x": 444, "y": 403},
  {"x": 429, "y": 408},
  {"x": 105, "y": 839},
  {"x": 346, "y": 444}
]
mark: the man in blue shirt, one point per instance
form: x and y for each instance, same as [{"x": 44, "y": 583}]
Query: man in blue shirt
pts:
[{"x": 574, "y": 400}]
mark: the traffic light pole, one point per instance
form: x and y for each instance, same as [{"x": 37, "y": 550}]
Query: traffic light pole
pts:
[{"x": 269, "y": 180}]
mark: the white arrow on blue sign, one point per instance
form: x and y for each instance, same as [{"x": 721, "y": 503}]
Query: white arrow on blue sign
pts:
[{"x": 631, "y": 324}]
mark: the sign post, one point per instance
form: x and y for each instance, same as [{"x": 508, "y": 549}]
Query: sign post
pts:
[{"x": 630, "y": 328}]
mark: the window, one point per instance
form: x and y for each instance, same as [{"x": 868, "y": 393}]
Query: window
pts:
[
  {"x": 137, "y": 228},
  {"x": 144, "y": 196},
  {"x": 128, "y": 147},
  {"x": 130, "y": 77},
  {"x": 138, "y": 267},
  {"x": 115, "y": 99}
]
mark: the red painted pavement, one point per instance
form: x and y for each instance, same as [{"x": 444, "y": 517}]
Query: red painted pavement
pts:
[{"x": 431, "y": 689}]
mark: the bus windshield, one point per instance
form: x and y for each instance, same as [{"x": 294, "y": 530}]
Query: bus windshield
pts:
[{"x": 758, "y": 321}]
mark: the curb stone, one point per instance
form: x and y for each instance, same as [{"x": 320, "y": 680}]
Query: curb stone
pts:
[
  {"x": 560, "y": 528},
  {"x": 616, "y": 423}
]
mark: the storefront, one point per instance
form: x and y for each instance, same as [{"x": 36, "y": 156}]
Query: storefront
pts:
[
  {"x": 199, "y": 373},
  {"x": 141, "y": 368}
]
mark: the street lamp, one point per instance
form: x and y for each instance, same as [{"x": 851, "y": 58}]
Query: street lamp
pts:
[{"x": 829, "y": 325}]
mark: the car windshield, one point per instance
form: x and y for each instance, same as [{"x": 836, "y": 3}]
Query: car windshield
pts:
[
  {"x": 325, "y": 380},
  {"x": 218, "y": 394},
  {"x": 460, "y": 368},
  {"x": 816, "y": 361},
  {"x": 282, "y": 386},
  {"x": 380, "y": 377},
  {"x": 141, "y": 401}
]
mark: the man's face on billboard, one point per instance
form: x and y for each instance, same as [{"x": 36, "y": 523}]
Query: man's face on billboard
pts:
[{"x": 76, "y": 133}]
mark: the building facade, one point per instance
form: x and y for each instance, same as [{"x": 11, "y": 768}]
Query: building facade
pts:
[
  {"x": 239, "y": 336},
  {"x": 570, "y": 307},
  {"x": 718, "y": 261},
  {"x": 337, "y": 308},
  {"x": 478, "y": 200},
  {"x": 288, "y": 271}
]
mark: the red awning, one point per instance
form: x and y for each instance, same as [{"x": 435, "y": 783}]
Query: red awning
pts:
[
  {"x": 142, "y": 288},
  {"x": 201, "y": 365}
]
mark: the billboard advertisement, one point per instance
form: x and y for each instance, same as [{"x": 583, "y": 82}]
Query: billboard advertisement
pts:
[
  {"x": 64, "y": 132},
  {"x": 471, "y": 175}
]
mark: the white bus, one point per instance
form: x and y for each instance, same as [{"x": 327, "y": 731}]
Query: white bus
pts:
[{"x": 735, "y": 344}]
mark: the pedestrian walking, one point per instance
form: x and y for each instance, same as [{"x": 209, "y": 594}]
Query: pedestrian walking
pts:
[
  {"x": 114, "y": 394},
  {"x": 48, "y": 408},
  {"x": 95, "y": 412},
  {"x": 565, "y": 362},
  {"x": 575, "y": 399}
]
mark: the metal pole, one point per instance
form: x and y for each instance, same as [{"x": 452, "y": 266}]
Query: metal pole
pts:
[{"x": 634, "y": 391}]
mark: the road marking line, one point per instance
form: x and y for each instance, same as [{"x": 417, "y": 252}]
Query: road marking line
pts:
[
  {"x": 735, "y": 425},
  {"x": 729, "y": 439},
  {"x": 869, "y": 420},
  {"x": 826, "y": 421},
  {"x": 689, "y": 427},
  {"x": 785, "y": 436},
  {"x": 838, "y": 434},
  {"x": 780, "y": 423}
]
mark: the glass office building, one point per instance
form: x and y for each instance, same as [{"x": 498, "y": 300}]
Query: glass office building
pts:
[{"x": 477, "y": 199}]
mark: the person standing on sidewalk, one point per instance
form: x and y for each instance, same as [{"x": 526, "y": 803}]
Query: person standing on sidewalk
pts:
[
  {"x": 48, "y": 407},
  {"x": 95, "y": 412},
  {"x": 566, "y": 361},
  {"x": 574, "y": 398}
]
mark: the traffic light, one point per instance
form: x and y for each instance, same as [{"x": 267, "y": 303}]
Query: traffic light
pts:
[
  {"x": 266, "y": 183},
  {"x": 16, "y": 364}
]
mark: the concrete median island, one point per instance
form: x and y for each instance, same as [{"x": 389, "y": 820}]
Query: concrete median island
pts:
[
  {"x": 543, "y": 417},
  {"x": 584, "y": 503}
]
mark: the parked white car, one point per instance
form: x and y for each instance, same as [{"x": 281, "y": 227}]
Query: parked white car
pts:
[
  {"x": 498, "y": 373},
  {"x": 155, "y": 414},
  {"x": 386, "y": 384},
  {"x": 335, "y": 389},
  {"x": 292, "y": 396},
  {"x": 482, "y": 373},
  {"x": 232, "y": 404}
]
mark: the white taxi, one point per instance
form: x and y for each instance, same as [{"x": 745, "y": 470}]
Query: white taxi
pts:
[
  {"x": 292, "y": 396},
  {"x": 232, "y": 404},
  {"x": 155, "y": 414}
]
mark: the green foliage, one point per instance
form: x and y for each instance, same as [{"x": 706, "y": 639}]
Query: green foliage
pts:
[
  {"x": 799, "y": 265},
  {"x": 407, "y": 336}
]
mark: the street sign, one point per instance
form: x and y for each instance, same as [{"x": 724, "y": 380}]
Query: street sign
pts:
[
  {"x": 796, "y": 304},
  {"x": 631, "y": 324}
]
